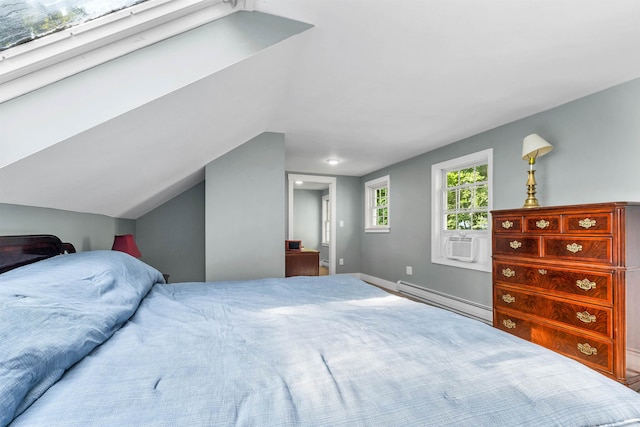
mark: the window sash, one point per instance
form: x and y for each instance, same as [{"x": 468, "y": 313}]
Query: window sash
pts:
[
  {"x": 31, "y": 21},
  {"x": 38, "y": 63},
  {"x": 472, "y": 214},
  {"x": 377, "y": 204}
]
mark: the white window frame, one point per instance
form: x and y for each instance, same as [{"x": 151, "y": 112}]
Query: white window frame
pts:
[
  {"x": 326, "y": 220},
  {"x": 30, "y": 66},
  {"x": 370, "y": 188},
  {"x": 438, "y": 232}
]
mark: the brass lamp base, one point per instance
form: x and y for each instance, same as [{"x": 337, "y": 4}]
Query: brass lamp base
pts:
[{"x": 531, "y": 201}]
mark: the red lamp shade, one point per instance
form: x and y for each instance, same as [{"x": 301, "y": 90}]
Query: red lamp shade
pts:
[{"x": 126, "y": 243}]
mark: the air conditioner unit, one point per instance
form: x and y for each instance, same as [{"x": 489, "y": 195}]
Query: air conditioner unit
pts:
[{"x": 461, "y": 248}]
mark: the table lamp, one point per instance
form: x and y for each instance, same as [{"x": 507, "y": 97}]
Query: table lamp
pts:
[
  {"x": 126, "y": 243},
  {"x": 533, "y": 146}
]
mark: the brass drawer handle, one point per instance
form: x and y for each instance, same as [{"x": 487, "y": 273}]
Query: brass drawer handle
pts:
[
  {"x": 515, "y": 244},
  {"x": 586, "y": 284},
  {"x": 507, "y": 272},
  {"x": 509, "y": 324},
  {"x": 574, "y": 247},
  {"x": 585, "y": 317},
  {"x": 507, "y": 224},
  {"x": 542, "y": 271},
  {"x": 587, "y": 223},
  {"x": 508, "y": 298},
  {"x": 587, "y": 349},
  {"x": 542, "y": 224}
]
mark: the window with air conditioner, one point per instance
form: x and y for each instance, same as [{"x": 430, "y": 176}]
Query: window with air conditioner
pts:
[{"x": 461, "y": 202}]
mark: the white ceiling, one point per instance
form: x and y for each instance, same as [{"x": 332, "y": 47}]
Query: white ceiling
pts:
[
  {"x": 382, "y": 81},
  {"x": 373, "y": 83}
]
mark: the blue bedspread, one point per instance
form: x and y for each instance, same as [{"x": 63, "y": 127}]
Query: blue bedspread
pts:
[
  {"x": 314, "y": 352},
  {"x": 55, "y": 312}
]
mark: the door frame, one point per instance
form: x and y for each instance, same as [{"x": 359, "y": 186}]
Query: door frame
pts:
[{"x": 331, "y": 180}]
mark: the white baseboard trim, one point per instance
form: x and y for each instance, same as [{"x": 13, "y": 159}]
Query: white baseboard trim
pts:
[
  {"x": 378, "y": 281},
  {"x": 439, "y": 299}
]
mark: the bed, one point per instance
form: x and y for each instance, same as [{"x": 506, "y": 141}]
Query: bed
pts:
[{"x": 98, "y": 339}]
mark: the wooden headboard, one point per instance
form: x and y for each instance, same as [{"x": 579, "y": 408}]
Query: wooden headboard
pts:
[{"x": 16, "y": 251}]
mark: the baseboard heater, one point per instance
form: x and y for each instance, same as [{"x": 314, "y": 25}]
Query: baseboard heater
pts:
[{"x": 440, "y": 299}]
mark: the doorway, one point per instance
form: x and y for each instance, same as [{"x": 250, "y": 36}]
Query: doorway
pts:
[{"x": 315, "y": 181}]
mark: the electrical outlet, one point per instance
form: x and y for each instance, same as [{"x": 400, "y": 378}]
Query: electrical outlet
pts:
[
  {"x": 341, "y": 261},
  {"x": 409, "y": 270}
]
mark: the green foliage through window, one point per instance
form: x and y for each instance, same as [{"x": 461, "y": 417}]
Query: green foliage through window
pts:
[
  {"x": 467, "y": 199},
  {"x": 377, "y": 204},
  {"x": 381, "y": 210}
]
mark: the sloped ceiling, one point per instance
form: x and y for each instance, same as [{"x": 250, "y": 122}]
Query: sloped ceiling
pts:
[
  {"x": 372, "y": 83},
  {"x": 124, "y": 137}
]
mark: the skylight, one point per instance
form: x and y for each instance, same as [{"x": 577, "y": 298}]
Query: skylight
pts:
[
  {"x": 24, "y": 20},
  {"x": 81, "y": 34}
]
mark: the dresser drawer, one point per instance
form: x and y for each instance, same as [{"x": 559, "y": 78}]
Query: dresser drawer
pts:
[
  {"x": 516, "y": 245},
  {"x": 542, "y": 224},
  {"x": 589, "y": 285},
  {"x": 512, "y": 224},
  {"x": 596, "y": 353},
  {"x": 579, "y": 249},
  {"x": 588, "y": 317},
  {"x": 588, "y": 223}
]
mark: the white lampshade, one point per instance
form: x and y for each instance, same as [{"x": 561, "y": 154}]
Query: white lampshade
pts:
[{"x": 535, "y": 146}]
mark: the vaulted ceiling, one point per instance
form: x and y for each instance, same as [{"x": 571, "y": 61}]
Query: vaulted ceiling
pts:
[{"x": 370, "y": 82}]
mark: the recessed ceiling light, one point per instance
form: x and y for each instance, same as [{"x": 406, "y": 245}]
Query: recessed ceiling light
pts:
[
  {"x": 333, "y": 162},
  {"x": 299, "y": 182}
]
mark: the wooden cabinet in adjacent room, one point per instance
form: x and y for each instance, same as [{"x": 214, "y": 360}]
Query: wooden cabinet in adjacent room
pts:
[
  {"x": 302, "y": 263},
  {"x": 568, "y": 278}
]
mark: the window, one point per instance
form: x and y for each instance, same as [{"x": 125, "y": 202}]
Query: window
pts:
[
  {"x": 461, "y": 201},
  {"x": 377, "y": 205},
  {"x": 42, "y": 42},
  {"x": 467, "y": 195},
  {"x": 326, "y": 220},
  {"x": 26, "y": 21}
]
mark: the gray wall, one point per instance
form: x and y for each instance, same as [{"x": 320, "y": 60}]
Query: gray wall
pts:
[
  {"x": 244, "y": 211},
  {"x": 596, "y": 147},
  {"x": 307, "y": 218},
  {"x": 172, "y": 236},
  {"x": 87, "y": 232},
  {"x": 349, "y": 207}
]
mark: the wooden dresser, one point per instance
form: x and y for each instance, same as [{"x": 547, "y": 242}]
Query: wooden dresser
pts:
[
  {"x": 302, "y": 263},
  {"x": 568, "y": 278}
]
